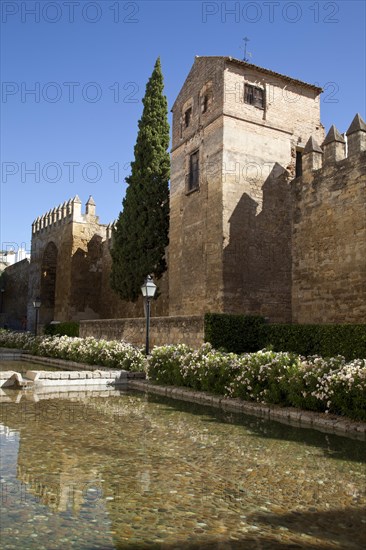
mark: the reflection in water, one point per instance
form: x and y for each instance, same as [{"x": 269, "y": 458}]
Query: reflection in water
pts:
[
  {"x": 23, "y": 366},
  {"x": 127, "y": 471}
]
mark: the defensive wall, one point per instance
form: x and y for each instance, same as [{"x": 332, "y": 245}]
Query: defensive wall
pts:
[{"x": 286, "y": 240}]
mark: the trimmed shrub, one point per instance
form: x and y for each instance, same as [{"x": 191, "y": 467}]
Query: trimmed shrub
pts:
[
  {"x": 69, "y": 328},
  {"x": 244, "y": 334},
  {"x": 234, "y": 333},
  {"x": 324, "y": 340}
]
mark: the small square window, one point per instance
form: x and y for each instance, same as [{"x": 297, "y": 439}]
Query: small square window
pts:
[
  {"x": 254, "y": 96},
  {"x": 187, "y": 117},
  {"x": 194, "y": 173}
]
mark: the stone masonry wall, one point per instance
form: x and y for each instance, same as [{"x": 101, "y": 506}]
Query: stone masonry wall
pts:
[
  {"x": 259, "y": 152},
  {"x": 245, "y": 236},
  {"x": 163, "y": 330},
  {"x": 65, "y": 268},
  {"x": 230, "y": 238},
  {"x": 329, "y": 243},
  {"x": 195, "y": 232},
  {"x": 15, "y": 295},
  {"x": 291, "y": 107}
]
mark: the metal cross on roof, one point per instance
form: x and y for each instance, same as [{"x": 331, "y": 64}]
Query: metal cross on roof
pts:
[{"x": 247, "y": 55}]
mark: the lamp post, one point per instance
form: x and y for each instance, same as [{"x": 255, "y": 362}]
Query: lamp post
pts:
[
  {"x": 36, "y": 305},
  {"x": 148, "y": 290}
]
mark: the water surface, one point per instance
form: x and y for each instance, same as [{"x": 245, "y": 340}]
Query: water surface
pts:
[
  {"x": 131, "y": 471},
  {"x": 23, "y": 366}
]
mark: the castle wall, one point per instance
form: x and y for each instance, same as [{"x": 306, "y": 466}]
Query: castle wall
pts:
[
  {"x": 259, "y": 156},
  {"x": 245, "y": 236},
  {"x": 86, "y": 268},
  {"x": 15, "y": 295},
  {"x": 329, "y": 243},
  {"x": 187, "y": 330},
  {"x": 228, "y": 253},
  {"x": 70, "y": 269},
  {"x": 56, "y": 306},
  {"x": 256, "y": 220},
  {"x": 195, "y": 233},
  {"x": 66, "y": 264}
]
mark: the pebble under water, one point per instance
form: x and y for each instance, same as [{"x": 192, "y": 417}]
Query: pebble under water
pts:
[{"x": 119, "y": 470}]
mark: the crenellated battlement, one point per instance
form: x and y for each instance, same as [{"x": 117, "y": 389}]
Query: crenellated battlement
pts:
[
  {"x": 328, "y": 229},
  {"x": 247, "y": 237},
  {"x": 68, "y": 211},
  {"x": 335, "y": 148}
]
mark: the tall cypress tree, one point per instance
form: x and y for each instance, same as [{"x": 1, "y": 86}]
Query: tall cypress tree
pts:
[{"x": 141, "y": 233}]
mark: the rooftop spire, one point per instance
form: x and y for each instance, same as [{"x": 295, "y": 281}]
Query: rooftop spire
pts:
[
  {"x": 312, "y": 146},
  {"x": 357, "y": 124},
  {"x": 333, "y": 135}
]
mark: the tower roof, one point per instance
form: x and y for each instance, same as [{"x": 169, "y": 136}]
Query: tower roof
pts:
[
  {"x": 333, "y": 135},
  {"x": 91, "y": 200},
  {"x": 312, "y": 146},
  {"x": 357, "y": 124},
  {"x": 263, "y": 70}
]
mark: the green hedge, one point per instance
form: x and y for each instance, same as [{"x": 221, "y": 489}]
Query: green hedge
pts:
[
  {"x": 244, "y": 334},
  {"x": 323, "y": 340},
  {"x": 234, "y": 333},
  {"x": 62, "y": 329}
]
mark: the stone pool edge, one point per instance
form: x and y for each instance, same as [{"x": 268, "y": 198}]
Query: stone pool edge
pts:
[{"x": 287, "y": 415}]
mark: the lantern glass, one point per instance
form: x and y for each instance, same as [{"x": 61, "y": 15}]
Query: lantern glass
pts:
[
  {"x": 148, "y": 289},
  {"x": 37, "y": 303}
]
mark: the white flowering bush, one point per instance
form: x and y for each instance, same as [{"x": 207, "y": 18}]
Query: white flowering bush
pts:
[
  {"x": 304, "y": 385},
  {"x": 328, "y": 385},
  {"x": 112, "y": 354},
  {"x": 166, "y": 364},
  {"x": 313, "y": 383},
  {"x": 210, "y": 370},
  {"x": 343, "y": 390},
  {"x": 245, "y": 376},
  {"x": 264, "y": 376},
  {"x": 19, "y": 340}
]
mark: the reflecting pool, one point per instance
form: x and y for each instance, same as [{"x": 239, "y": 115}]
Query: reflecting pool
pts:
[
  {"x": 116, "y": 469},
  {"x": 23, "y": 366}
]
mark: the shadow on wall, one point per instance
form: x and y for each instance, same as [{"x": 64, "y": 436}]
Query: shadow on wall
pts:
[
  {"x": 86, "y": 277},
  {"x": 257, "y": 260},
  {"x": 13, "y": 299},
  {"x": 48, "y": 283}
]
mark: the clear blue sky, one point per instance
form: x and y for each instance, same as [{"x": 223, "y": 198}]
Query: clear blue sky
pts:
[{"x": 89, "y": 63}]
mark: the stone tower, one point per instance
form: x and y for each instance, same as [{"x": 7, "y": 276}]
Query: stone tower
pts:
[
  {"x": 238, "y": 135},
  {"x": 66, "y": 263}
]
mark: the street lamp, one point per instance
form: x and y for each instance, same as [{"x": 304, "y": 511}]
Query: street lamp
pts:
[
  {"x": 36, "y": 305},
  {"x": 148, "y": 290}
]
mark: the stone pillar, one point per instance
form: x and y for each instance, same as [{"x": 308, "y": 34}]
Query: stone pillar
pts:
[
  {"x": 90, "y": 207},
  {"x": 312, "y": 156},
  {"x": 356, "y": 136},
  {"x": 334, "y": 146}
]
